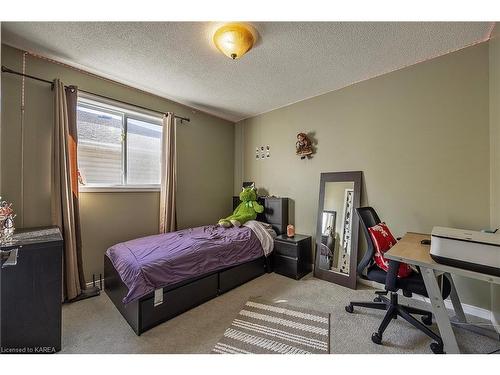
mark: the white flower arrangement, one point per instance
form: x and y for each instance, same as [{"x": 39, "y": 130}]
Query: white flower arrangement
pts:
[{"x": 7, "y": 216}]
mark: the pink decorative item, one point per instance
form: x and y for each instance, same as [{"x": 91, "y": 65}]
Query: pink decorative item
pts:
[{"x": 290, "y": 230}]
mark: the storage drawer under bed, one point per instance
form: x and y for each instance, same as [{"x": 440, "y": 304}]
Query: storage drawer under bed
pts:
[
  {"x": 178, "y": 300},
  {"x": 143, "y": 315},
  {"x": 238, "y": 275}
]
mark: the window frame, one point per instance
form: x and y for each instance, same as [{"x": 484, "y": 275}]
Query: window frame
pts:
[{"x": 126, "y": 112}]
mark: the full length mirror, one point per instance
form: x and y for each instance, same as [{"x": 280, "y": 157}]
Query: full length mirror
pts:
[{"x": 337, "y": 228}]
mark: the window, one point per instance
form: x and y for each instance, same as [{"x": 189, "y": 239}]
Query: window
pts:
[{"x": 117, "y": 147}]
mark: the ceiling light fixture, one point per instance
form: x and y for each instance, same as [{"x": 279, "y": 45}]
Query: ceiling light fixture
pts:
[{"x": 233, "y": 40}]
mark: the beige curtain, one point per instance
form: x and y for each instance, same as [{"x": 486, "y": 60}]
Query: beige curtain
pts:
[
  {"x": 168, "y": 217},
  {"x": 65, "y": 210}
]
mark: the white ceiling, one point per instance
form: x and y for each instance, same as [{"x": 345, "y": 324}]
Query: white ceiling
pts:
[{"x": 291, "y": 61}]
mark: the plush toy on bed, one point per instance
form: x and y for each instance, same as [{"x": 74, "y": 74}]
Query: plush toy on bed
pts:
[{"x": 246, "y": 210}]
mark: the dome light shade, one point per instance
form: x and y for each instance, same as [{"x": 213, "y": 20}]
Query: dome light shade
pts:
[{"x": 233, "y": 40}]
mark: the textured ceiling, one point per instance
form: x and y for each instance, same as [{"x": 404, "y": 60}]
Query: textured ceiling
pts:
[{"x": 291, "y": 61}]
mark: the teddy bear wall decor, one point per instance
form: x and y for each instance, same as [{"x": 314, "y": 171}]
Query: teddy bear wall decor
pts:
[{"x": 303, "y": 146}]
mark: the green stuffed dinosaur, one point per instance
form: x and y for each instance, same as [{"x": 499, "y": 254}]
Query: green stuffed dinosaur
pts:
[{"x": 246, "y": 210}]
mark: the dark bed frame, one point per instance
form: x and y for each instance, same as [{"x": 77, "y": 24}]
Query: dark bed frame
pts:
[{"x": 142, "y": 315}]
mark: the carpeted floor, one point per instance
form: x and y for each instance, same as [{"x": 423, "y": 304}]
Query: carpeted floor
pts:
[{"x": 95, "y": 326}]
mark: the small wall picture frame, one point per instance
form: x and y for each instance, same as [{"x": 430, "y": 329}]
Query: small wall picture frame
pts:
[{"x": 262, "y": 152}]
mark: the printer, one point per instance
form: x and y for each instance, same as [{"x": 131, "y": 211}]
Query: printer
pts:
[{"x": 475, "y": 251}]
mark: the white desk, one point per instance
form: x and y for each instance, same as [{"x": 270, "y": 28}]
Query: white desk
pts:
[{"x": 410, "y": 250}]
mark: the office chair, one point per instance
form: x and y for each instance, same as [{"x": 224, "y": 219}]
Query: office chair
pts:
[{"x": 409, "y": 285}]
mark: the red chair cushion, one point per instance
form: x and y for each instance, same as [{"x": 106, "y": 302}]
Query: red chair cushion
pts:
[{"x": 383, "y": 241}]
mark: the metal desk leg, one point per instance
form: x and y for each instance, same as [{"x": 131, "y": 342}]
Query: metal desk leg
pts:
[
  {"x": 495, "y": 307},
  {"x": 460, "y": 319},
  {"x": 455, "y": 300},
  {"x": 439, "y": 311}
]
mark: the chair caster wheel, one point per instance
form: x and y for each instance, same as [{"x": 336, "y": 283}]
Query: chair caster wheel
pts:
[
  {"x": 349, "y": 309},
  {"x": 377, "y": 338},
  {"x": 427, "y": 320},
  {"x": 377, "y": 299},
  {"x": 437, "y": 348}
]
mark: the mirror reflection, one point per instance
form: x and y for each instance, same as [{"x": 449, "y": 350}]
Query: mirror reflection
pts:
[{"x": 336, "y": 227}]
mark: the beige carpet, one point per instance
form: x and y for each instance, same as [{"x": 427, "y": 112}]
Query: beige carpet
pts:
[{"x": 95, "y": 326}]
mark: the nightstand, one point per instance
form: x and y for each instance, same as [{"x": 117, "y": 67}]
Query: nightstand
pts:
[{"x": 292, "y": 255}]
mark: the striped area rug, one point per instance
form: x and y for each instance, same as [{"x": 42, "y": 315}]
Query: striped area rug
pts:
[{"x": 274, "y": 328}]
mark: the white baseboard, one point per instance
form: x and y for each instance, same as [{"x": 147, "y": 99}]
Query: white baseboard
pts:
[
  {"x": 91, "y": 284},
  {"x": 472, "y": 310},
  {"x": 478, "y": 312}
]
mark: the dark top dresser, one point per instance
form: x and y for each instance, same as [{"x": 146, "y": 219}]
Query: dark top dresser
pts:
[
  {"x": 292, "y": 255},
  {"x": 31, "y": 292}
]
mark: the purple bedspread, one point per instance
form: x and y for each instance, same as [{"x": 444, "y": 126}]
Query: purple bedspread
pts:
[{"x": 153, "y": 262}]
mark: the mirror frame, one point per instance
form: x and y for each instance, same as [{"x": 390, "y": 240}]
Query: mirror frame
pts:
[{"x": 334, "y": 277}]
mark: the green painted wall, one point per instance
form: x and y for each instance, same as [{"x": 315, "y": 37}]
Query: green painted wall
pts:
[
  {"x": 495, "y": 126},
  {"x": 494, "y": 54},
  {"x": 205, "y": 162},
  {"x": 420, "y": 135}
]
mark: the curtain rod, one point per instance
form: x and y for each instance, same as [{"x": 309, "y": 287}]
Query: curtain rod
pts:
[{"x": 10, "y": 71}]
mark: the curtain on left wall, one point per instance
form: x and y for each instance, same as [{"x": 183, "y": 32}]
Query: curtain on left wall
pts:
[
  {"x": 65, "y": 203},
  {"x": 168, "y": 184}
]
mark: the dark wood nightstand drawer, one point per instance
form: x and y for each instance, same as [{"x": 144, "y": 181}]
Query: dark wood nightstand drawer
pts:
[
  {"x": 285, "y": 266},
  {"x": 287, "y": 249},
  {"x": 291, "y": 256}
]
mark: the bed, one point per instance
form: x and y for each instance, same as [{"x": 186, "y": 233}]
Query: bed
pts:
[{"x": 187, "y": 282}]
